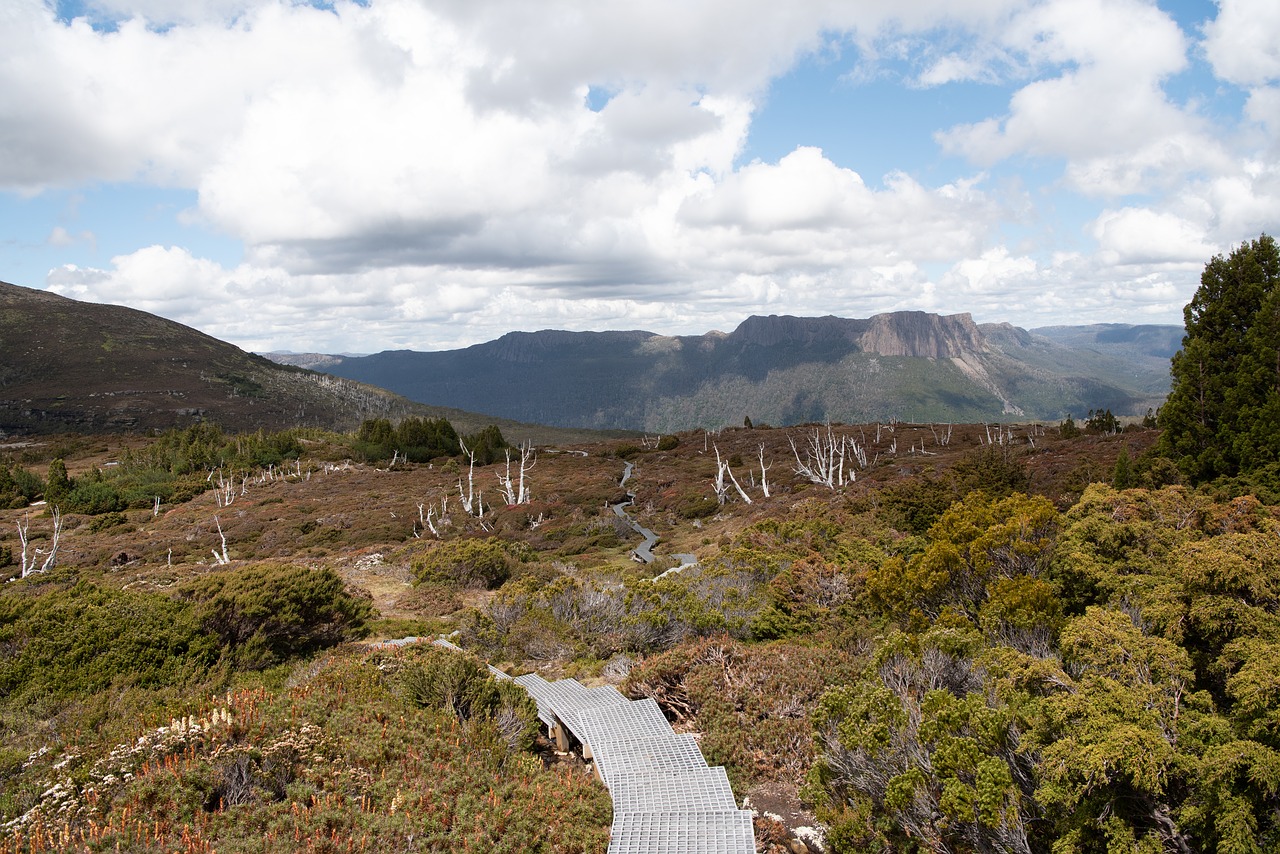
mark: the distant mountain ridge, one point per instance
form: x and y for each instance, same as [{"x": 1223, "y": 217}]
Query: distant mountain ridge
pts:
[
  {"x": 73, "y": 366},
  {"x": 780, "y": 369}
]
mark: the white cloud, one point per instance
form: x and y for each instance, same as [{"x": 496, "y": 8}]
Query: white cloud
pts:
[
  {"x": 1143, "y": 236},
  {"x": 61, "y": 237},
  {"x": 1105, "y": 112},
  {"x": 1243, "y": 41},
  {"x": 431, "y": 172}
]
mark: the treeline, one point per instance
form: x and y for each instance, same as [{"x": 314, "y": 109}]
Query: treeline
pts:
[
  {"x": 180, "y": 464},
  {"x": 420, "y": 440}
]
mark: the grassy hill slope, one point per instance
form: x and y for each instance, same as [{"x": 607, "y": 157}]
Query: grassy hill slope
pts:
[{"x": 67, "y": 365}]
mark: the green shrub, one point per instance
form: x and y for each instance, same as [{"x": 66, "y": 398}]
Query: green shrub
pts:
[
  {"x": 271, "y": 612},
  {"x": 461, "y": 685},
  {"x": 94, "y": 498},
  {"x": 74, "y": 641},
  {"x": 18, "y": 487},
  {"x": 464, "y": 563},
  {"x": 487, "y": 445},
  {"x": 109, "y": 520},
  {"x": 668, "y": 443},
  {"x": 696, "y": 506}
]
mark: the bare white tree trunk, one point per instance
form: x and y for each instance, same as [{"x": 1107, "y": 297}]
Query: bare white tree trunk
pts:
[
  {"x": 220, "y": 559},
  {"x": 53, "y": 546},
  {"x": 28, "y": 566},
  {"x": 722, "y": 468},
  {"x": 718, "y": 484},
  {"x": 528, "y": 459},
  {"x": 764, "y": 473},
  {"x": 741, "y": 492},
  {"x": 513, "y": 492},
  {"x": 468, "y": 498},
  {"x": 22, "y": 538},
  {"x": 505, "y": 487},
  {"x": 824, "y": 463}
]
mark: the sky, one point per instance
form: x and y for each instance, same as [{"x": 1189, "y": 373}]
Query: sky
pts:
[{"x": 351, "y": 177}]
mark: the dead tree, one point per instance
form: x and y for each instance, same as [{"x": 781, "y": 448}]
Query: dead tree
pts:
[
  {"x": 468, "y": 498},
  {"x": 51, "y": 556},
  {"x": 518, "y": 494},
  {"x": 824, "y": 463},
  {"x": 722, "y": 489},
  {"x": 220, "y": 559},
  {"x": 764, "y": 473}
]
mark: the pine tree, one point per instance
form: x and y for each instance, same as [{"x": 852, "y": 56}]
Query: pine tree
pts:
[
  {"x": 58, "y": 485},
  {"x": 1223, "y": 413}
]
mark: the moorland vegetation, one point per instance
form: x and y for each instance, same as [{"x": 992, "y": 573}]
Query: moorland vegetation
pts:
[{"x": 1035, "y": 637}]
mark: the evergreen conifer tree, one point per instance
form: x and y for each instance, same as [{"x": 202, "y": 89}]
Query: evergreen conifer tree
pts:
[{"x": 1223, "y": 413}]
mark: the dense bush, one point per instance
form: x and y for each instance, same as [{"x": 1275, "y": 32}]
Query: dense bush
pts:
[
  {"x": 465, "y": 564},
  {"x": 459, "y": 684},
  {"x": 340, "y": 762},
  {"x": 82, "y": 639},
  {"x": 1079, "y": 682},
  {"x": 18, "y": 487},
  {"x": 174, "y": 467},
  {"x": 414, "y": 439},
  {"x": 271, "y": 612},
  {"x": 488, "y": 445}
]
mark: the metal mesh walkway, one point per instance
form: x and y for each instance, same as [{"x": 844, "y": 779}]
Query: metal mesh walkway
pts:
[{"x": 666, "y": 800}]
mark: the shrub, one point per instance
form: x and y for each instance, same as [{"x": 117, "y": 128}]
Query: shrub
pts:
[
  {"x": 18, "y": 487},
  {"x": 74, "y": 641},
  {"x": 94, "y": 498},
  {"x": 752, "y": 703},
  {"x": 461, "y": 685},
  {"x": 109, "y": 520},
  {"x": 270, "y": 612},
  {"x": 465, "y": 563},
  {"x": 668, "y": 443}
]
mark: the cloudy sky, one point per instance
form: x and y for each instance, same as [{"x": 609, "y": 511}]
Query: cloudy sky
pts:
[{"x": 427, "y": 174}]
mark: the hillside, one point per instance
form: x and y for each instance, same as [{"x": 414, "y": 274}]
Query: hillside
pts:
[
  {"x": 197, "y": 675},
  {"x": 780, "y": 370},
  {"x": 67, "y": 365}
]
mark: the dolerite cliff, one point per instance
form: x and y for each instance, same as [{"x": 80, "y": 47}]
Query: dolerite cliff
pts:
[
  {"x": 907, "y": 365},
  {"x": 918, "y": 335}
]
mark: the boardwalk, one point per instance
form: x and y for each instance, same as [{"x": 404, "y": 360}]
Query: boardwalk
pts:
[{"x": 666, "y": 800}]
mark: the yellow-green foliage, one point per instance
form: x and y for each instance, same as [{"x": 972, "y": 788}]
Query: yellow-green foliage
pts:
[
  {"x": 472, "y": 563},
  {"x": 974, "y": 544},
  {"x": 66, "y": 641},
  {"x": 1101, "y": 681}
]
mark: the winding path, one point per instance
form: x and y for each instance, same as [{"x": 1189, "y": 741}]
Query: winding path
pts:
[{"x": 644, "y": 551}]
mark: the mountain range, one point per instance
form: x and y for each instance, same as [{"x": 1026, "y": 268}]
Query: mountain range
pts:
[
  {"x": 908, "y": 365},
  {"x": 73, "y": 366}
]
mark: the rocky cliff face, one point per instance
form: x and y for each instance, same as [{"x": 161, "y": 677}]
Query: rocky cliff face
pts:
[
  {"x": 916, "y": 334},
  {"x": 921, "y": 335}
]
